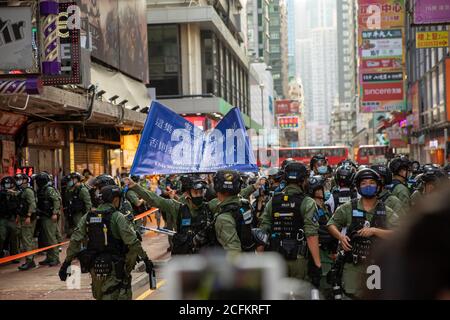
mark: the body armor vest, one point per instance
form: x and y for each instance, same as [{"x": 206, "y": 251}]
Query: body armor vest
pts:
[
  {"x": 100, "y": 237},
  {"x": 9, "y": 205},
  {"x": 340, "y": 197},
  {"x": 243, "y": 217},
  {"x": 362, "y": 246},
  {"x": 44, "y": 204},
  {"x": 76, "y": 204},
  {"x": 23, "y": 205},
  {"x": 326, "y": 241},
  {"x": 287, "y": 224}
]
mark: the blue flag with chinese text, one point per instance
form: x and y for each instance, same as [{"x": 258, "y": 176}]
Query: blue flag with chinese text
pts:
[{"x": 170, "y": 144}]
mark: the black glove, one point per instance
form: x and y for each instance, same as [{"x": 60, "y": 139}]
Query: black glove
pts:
[
  {"x": 315, "y": 273},
  {"x": 63, "y": 271},
  {"x": 148, "y": 265}
]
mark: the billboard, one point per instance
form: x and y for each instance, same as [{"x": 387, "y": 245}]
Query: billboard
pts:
[
  {"x": 118, "y": 34},
  {"x": 287, "y": 106},
  {"x": 16, "y": 41},
  {"x": 431, "y": 11},
  {"x": 431, "y": 39},
  {"x": 381, "y": 53},
  {"x": 288, "y": 122}
]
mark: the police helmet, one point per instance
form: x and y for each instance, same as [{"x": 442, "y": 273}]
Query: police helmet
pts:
[
  {"x": 109, "y": 192},
  {"x": 42, "y": 179},
  {"x": 76, "y": 175},
  {"x": 384, "y": 172},
  {"x": 65, "y": 180},
  {"x": 227, "y": 181},
  {"x": 286, "y": 162},
  {"x": 135, "y": 178},
  {"x": 367, "y": 173},
  {"x": 432, "y": 173},
  {"x": 344, "y": 175},
  {"x": 348, "y": 162},
  {"x": 7, "y": 182},
  {"x": 416, "y": 167},
  {"x": 295, "y": 172},
  {"x": 316, "y": 158},
  {"x": 399, "y": 163},
  {"x": 21, "y": 178},
  {"x": 104, "y": 180},
  {"x": 186, "y": 182},
  {"x": 315, "y": 183},
  {"x": 275, "y": 174}
]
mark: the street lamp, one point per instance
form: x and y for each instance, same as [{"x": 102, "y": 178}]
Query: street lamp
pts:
[{"x": 261, "y": 86}]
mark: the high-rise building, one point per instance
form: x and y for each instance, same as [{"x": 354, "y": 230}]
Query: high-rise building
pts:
[
  {"x": 258, "y": 29},
  {"x": 278, "y": 47},
  {"x": 291, "y": 17},
  {"x": 343, "y": 120}
]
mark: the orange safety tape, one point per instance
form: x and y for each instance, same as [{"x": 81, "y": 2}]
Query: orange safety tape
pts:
[{"x": 29, "y": 253}]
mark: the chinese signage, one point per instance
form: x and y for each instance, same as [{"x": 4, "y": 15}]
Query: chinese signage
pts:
[
  {"x": 29, "y": 171},
  {"x": 381, "y": 52},
  {"x": 46, "y": 135},
  {"x": 413, "y": 104},
  {"x": 69, "y": 39},
  {"x": 431, "y": 11},
  {"x": 431, "y": 39},
  {"x": 10, "y": 123},
  {"x": 16, "y": 49},
  {"x": 288, "y": 122},
  {"x": 287, "y": 106},
  {"x": 447, "y": 86}
]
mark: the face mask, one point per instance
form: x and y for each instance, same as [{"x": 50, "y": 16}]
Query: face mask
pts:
[
  {"x": 369, "y": 191},
  {"x": 327, "y": 195},
  {"x": 8, "y": 185},
  {"x": 70, "y": 184},
  {"x": 19, "y": 183},
  {"x": 322, "y": 169},
  {"x": 197, "y": 201}
]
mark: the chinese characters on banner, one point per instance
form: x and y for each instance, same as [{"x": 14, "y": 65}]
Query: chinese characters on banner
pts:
[
  {"x": 431, "y": 11},
  {"x": 381, "y": 53},
  {"x": 431, "y": 39}
]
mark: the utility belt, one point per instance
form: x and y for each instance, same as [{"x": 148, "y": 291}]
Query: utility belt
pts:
[
  {"x": 290, "y": 248},
  {"x": 42, "y": 213},
  {"x": 102, "y": 264}
]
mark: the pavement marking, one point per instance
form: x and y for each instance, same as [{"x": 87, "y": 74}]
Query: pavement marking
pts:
[{"x": 150, "y": 291}]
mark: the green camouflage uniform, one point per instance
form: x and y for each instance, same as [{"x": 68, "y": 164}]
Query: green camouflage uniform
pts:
[
  {"x": 8, "y": 227},
  {"x": 225, "y": 227},
  {"x": 110, "y": 287},
  {"x": 84, "y": 196},
  {"x": 296, "y": 268},
  {"x": 26, "y": 231},
  {"x": 393, "y": 202},
  {"x": 353, "y": 275},
  {"x": 401, "y": 191}
]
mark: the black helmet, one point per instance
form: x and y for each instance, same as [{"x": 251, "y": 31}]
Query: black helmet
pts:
[
  {"x": 42, "y": 179},
  {"x": 8, "y": 183},
  {"x": 286, "y": 162},
  {"x": 65, "y": 180},
  {"x": 315, "y": 183},
  {"x": 135, "y": 178},
  {"x": 384, "y": 172},
  {"x": 348, "y": 162},
  {"x": 432, "y": 173},
  {"x": 227, "y": 181},
  {"x": 447, "y": 170},
  {"x": 415, "y": 167},
  {"x": 295, "y": 172},
  {"x": 316, "y": 158},
  {"x": 399, "y": 163},
  {"x": 186, "y": 182},
  {"x": 367, "y": 173},
  {"x": 344, "y": 175},
  {"x": 275, "y": 174},
  {"x": 104, "y": 180},
  {"x": 76, "y": 175},
  {"x": 109, "y": 192},
  {"x": 21, "y": 178}
]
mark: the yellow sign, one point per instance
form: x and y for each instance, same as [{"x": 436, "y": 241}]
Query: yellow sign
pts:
[{"x": 431, "y": 39}]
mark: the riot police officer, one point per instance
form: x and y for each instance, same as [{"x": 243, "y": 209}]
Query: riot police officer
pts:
[
  {"x": 233, "y": 217},
  {"x": 344, "y": 190},
  {"x": 48, "y": 208},
  {"x": 365, "y": 220},
  {"x": 98, "y": 183},
  {"x": 275, "y": 178},
  {"x": 386, "y": 195},
  {"x": 112, "y": 248},
  {"x": 139, "y": 205},
  {"x": 191, "y": 215},
  {"x": 318, "y": 165},
  {"x": 27, "y": 217},
  {"x": 79, "y": 200},
  {"x": 9, "y": 205},
  {"x": 290, "y": 219},
  {"x": 429, "y": 180},
  {"x": 399, "y": 167},
  {"x": 328, "y": 244}
]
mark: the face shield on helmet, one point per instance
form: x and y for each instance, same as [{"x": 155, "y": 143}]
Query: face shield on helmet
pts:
[{"x": 197, "y": 192}]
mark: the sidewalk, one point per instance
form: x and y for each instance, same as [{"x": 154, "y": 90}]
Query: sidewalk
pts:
[{"x": 43, "y": 283}]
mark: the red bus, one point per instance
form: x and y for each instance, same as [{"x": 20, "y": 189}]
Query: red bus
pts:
[
  {"x": 335, "y": 154},
  {"x": 372, "y": 154}
]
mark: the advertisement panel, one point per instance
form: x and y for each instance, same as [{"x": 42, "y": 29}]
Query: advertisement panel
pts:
[
  {"x": 288, "y": 122},
  {"x": 413, "y": 104},
  {"x": 431, "y": 11},
  {"x": 447, "y": 87},
  {"x": 381, "y": 52},
  {"x": 431, "y": 39},
  {"x": 118, "y": 34},
  {"x": 16, "y": 50},
  {"x": 287, "y": 106}
]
